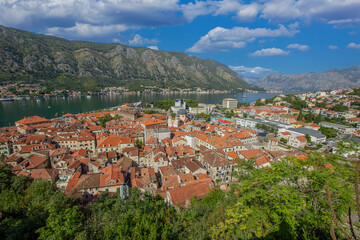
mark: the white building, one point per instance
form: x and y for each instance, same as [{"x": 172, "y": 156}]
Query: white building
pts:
[{"x": 229, "y": 103}]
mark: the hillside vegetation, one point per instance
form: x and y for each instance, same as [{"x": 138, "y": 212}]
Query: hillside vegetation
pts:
[{"x": 60, "y": 63}]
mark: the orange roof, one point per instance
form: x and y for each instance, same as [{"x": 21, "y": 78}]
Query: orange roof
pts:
[
  {"x": 261, "y": 161},
  {"x": 301, "y": 138},
  {"x": 32, "y": 120},
  {"x": 112, "y": 175},
  {"x": 153, "y": 122},
  {"x": 42, "y": 173},
  {"x": 233, "y": 154},
  {"x": 187, "y": 177},
  {"x": 285, "y": 133},
  {"x": 273, "y": 139},
  {"x": 114, "y": 141},
  {"x": 252, "y": 154},
  {"x": 95, "y": 128},
  {"x": 30, "y": 163},
  {"x": 180, "y": 196}
]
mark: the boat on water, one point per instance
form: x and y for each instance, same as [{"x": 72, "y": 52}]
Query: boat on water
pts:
[{"x": 6, "y": 99}]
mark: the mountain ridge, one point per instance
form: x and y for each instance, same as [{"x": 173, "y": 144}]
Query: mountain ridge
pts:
[
  {"x": 329, "y": 80},
  {"x": 30, "y": 57}
]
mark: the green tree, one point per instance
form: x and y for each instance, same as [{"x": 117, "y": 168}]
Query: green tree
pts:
[
  {"x": 165, "y": 104},
  {"x": 230, "y": 114},
  {"x": 102, "y": 120},
  {"x": 287, "y": 201},
  {"x": 64, "y": 222},
  {"x": 139, "y": 142},
  {"x": 339, "y": 108},
  {"x": 328, "y": 132},
  {"x": 239, "y": 105},
  {"x": 192, "y": 103}
]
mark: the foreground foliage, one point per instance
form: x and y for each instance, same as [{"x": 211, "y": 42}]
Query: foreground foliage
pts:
[{"x": 294, "y": 199}]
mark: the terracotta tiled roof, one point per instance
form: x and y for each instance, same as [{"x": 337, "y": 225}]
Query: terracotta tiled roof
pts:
[
  {"x": 114, "y": 141},
  {"x": 112, "y": 175},
  {"x": 180, "y": 196},
  {"x": 214, "y": 158},
  {"x": 32, "y": 120},
  {"x": 153, "y": 122},
  {"x": 301, "y": 138},
  {"x": 31, "y": 162},
  {"x": 285, "y": 133},
  {"x": 42, "y": 173}
]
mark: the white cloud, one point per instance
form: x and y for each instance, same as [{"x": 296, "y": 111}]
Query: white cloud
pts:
[
  {"x": 64, "y": 16},
  {"x": 266, "y": 52},
  {"x": 298, "y": 46},
  {"x": 280, "y": 10},
  {"x": 333, "y": 47},
  {"x": 86, "y": 30},
  {"x": 338, "y": 12},
  {"x": 226, "y": 6},
  {"x": 353, "y": 45},
  {"x": 223, "y": 39},
  {"x": 341, "y": 13},
  {"x": 199, "y": 8},
  {"x": 116, "y": 40},
  {"x": 138, "y": 40},
  {"x": 251, "y": 70},
  {"x": 248, "y": 12},
  {"x": 153, "y": 47}
]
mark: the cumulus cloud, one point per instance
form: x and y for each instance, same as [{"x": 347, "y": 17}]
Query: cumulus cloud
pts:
[
  {"x": 85, "y": 30},
  {"x": 250, "y": 70},
  {"x": 153, "y": 47},
  {"x": 341, "y": 13},
  {"x": 248, "y": 12},
  {"x": 68, "y": 16},
  {"x": 223, "y": 39},
  {"x": 266, "y": 52},
  {"x": 353, "y": 45},
  {"x": 138, "y": 40},
  {"x": 333, "y": 47},
  {"x": 199, "y": 8},
  {"x": 300, "y": 47}
]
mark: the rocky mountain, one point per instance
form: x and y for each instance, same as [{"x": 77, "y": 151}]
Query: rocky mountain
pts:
[
  {"x": 329, "y": 80},
  {"x": 31, "y": 57}
]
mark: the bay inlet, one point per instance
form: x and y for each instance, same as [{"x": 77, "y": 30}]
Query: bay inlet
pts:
[{"x": 57, "y": 106}]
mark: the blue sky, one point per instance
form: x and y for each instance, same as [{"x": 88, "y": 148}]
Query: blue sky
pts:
[{"x": 258, "y": 37}]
